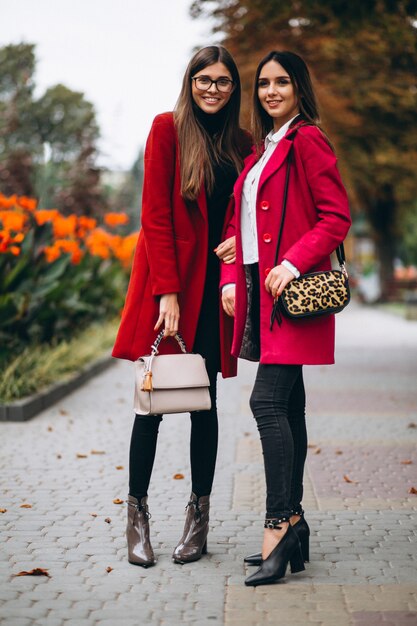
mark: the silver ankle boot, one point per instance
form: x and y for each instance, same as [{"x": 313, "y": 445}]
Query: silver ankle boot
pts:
[
  {"x": 137, "y": 533},
  {"x": 193, "y": 543}
]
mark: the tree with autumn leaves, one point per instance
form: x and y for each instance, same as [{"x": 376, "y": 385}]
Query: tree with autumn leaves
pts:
[{"x": 363, "y": 56}]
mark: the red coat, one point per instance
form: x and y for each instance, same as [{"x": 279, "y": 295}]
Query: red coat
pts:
[
  {"x": 170, "y": 256},
  {"x": 316, "y": 222}
]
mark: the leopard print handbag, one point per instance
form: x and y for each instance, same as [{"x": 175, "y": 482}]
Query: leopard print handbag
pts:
[
  {"x": 318, "y": 293},
  {"x": 314, "y": 294}
]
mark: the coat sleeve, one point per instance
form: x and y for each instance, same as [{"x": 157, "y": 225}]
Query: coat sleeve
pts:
[
  {"x": 158, "y": 183},
  {"x": 330, "y": 200}
]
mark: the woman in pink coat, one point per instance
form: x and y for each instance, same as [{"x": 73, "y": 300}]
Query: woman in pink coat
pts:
[{"x": 317, "y": 221}]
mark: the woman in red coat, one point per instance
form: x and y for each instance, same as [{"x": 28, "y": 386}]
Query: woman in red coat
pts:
[
  {"x": 317, "y": 221},
  {"x": 192, "y": 160}
]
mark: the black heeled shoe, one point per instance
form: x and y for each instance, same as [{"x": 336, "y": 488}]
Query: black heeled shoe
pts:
[
  {"x": 288, "y": 550},
  {"x": 303, "y": 531}
]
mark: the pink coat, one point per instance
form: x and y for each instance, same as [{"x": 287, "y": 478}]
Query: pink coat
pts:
[{"x": 317, "y": 221}]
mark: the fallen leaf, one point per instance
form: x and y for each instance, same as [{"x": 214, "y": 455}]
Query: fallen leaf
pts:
[
  {"x": 412, "y": 425},
  {"x": 37, "y": 571},
  {"x": 109, "y": 569},
  {"x": 246, "y": 434},
  {"x": 412, "y": 490},
  {"x": 312, "y": 445},
  {"x": 108, "y": 520},
  {"x": 349, "y": 480},
  {"x": 178, "y": 476},
  {"x": 63, "y": 412},
  {"x": 317, "y": 451},
  {"x": 119, "y": 467},
  {"x": 93, "y": 514},
  {"x": 49, "y": 429},
  {"x": 339, "y": 452},
  {"x": 407, "y": 462},
  {"x": 81, "y": 456},
  {"x": 97, "y": 452},
  {"x": 25, "y": 506},
  {"x": 117, "y": 501},
  {"x": 59, "y": 456},
  {"x": 3, "y": 510}
]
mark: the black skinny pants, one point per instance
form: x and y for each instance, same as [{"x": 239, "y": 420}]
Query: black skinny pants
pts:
[
  {"x": 278, "y": 405},
  {"x": 203, "y": 448}
]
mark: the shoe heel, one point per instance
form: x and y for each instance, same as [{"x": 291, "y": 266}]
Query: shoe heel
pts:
[
  {"x": 297, "y": 561},
  {"x": 204, "y": 550},
  {"x": 305, "y": 548}
]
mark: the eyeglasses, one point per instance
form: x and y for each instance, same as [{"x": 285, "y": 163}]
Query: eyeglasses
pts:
[{"x": 203, "y": 83}]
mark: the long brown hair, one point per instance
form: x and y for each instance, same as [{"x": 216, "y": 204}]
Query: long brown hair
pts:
[
  {"x": 298, "y": 72},
  {"x": 197, "y": 151}
]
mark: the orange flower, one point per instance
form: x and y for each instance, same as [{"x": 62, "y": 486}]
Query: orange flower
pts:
[
  {"x": 85, "y": 225},
  {"x": 15, "y": 250},
  {"x": 8, "y": 202},
  {"x": 5, "y": 240},
  {"x": 100, "y": 243},
  {"x": 29, "y": 204},
  {"x": 70, "y": 247},
  {"x": 115, "y": 219},
  {"x": 124, "y": 251},
  {"x": 45, "y": 215},
  {"x": 52, "y": 253},
  {"x": 63, "y": 246},
  {"x": 64, "y": 226},
  {"x": 12, "y": 220}
]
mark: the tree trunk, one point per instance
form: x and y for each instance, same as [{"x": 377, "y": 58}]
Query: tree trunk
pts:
[{"x": 382, "y": 218}]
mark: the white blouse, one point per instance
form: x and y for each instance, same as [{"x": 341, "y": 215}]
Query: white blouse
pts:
[{"x": 249, "y": 196}]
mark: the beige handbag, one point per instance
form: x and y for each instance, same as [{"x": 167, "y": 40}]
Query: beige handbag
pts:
[{"x": 171, "y": 383}]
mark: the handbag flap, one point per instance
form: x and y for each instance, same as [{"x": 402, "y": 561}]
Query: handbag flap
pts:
[{"x": 175, "y": 371}]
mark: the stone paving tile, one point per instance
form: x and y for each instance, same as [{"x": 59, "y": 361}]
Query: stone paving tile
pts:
[
  {"x": 384, "y": 618},
  {"x": 326, "y": 604},
  {"x": 375, "y": 471}
]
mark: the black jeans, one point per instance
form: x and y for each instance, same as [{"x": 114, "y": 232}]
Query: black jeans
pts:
[
  {"x": 203, "y": 448},
  {"x": 278, "y": 405}
]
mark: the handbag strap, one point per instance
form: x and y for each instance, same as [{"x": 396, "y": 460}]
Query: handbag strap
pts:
[{"x": 340, "y": 250}]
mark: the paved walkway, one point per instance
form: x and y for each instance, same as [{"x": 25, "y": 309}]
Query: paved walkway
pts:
[{"x": 70, "y": 463}]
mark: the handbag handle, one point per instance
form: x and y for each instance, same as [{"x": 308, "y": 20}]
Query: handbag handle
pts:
[
  {"x": 340, "y": 250},
  {"x": 147, "y": 373},
  {"x": 155, "y": 345}
]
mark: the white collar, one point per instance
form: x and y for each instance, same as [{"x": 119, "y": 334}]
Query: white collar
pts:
[{"x": 276, "y": 137}]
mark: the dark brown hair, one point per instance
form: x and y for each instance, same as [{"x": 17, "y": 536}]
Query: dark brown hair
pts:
[
  {"x": 197, "y": 151},
  {"x": 298, "y": 72}
]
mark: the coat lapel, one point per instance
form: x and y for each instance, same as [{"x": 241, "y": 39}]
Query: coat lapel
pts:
[{"x": 277, "y": 159}]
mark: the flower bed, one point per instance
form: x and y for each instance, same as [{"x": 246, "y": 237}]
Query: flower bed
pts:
[{"x": 58, "y": 273}]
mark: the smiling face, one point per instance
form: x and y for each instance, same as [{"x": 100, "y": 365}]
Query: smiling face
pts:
[
  {"x": 212, "y": 100},
  {"x": 276, "y": 94}
]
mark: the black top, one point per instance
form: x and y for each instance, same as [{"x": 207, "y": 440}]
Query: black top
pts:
[{"x": 225, "y": 175}]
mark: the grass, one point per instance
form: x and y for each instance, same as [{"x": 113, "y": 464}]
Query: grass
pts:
[{"x": 40, "y": 366}]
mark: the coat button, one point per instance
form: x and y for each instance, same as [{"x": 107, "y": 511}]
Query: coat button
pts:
[
  {"x": 265, "y": 205},
  {"x": 268, "y": 269},
  {"x": 267, "y": 237}
]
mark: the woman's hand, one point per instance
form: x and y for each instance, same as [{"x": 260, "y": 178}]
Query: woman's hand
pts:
[
  {"x": 277, "y": 279},
  {"x": 228, "y": 301},
  {"x": 169, "y": 313},
  {"x": 226, "y": 251}
]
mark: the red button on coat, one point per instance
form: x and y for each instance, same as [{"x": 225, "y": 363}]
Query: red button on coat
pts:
[
  {"x": 268, "y": 269},
  {"x": 267, "y": 237},
  {"x": 265, "y": 205}
]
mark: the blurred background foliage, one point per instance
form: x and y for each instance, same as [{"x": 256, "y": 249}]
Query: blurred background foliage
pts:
[
  {"x": 48, "y": 145},
  {"x": 363, "y": 57}
]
